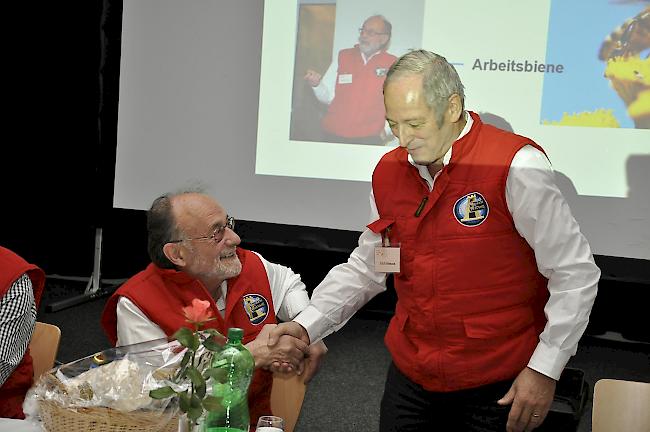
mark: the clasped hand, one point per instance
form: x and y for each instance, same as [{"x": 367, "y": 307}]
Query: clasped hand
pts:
[
  {"x": 280, "y": 351},
  {"x": 296, "y": 334}
]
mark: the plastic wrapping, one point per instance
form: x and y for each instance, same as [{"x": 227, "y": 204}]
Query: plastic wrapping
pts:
[{"x": 112, "y": 387}]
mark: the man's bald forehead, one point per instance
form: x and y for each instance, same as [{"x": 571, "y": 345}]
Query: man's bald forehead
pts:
[{"x": 192, "y": 203}]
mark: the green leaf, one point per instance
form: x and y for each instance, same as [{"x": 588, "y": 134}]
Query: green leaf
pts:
[
  {"x": 184, "y": 401},
  {"x": 195, "y": 343},
  {"x": 195, "y": 376},
  {"x": 185, "y": 337},
  {"x": 194, "y": 413},
  {"x": 212, "y": 403},
  {"x": 196, "y": 409},
  {"x": 213, "y": 332},
  {"x": 161, "y": 393},
  {"x": 200, "y": 390},
  {"x": 217, "y": 374},
  {"x": 212, "y": 345},
  {"x": 186, "y": 358},
  {"x": 195, "y": 401}
]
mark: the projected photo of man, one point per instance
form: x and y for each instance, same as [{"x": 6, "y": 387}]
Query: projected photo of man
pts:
[
  {"x": 347, "y": 89},
  {"x": 352, "y": 87}
]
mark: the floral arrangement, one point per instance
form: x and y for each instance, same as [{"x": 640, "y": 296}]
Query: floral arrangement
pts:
[{"x": 189, "y": 382}]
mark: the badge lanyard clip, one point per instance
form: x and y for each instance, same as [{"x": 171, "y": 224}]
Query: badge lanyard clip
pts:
[
  {"x": 387, "y": 259},
  {"x": 385, "y": 240}
]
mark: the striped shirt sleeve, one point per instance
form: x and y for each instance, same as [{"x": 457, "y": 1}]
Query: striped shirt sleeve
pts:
[{"x": 17, "y": 320}]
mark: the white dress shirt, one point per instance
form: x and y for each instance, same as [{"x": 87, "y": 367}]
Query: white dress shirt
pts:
[
  {"x": 288, "y": 292},
  {"x": 541, "y": 216}
]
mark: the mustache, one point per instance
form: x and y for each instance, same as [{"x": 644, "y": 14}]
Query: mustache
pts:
[{"x": 228, "y": 253}]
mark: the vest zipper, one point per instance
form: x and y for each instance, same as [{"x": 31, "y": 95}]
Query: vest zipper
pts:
[{"x": 421, "y": 206}]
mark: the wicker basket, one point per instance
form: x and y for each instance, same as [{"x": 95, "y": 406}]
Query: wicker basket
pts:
[{"x": 56, "y": 418}]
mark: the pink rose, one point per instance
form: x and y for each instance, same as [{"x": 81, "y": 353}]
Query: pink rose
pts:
[{"x": 199, "y": 312}]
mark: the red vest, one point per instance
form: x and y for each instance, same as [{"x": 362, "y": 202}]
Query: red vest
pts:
[
  {"x": 357, "y": 109},
  {"x": 160, "y": 295},
  {"x": 12, "y": 392},
  {"x": 470, "y": 297}
]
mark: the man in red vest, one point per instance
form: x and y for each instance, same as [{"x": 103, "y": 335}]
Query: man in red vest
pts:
[
  {"x": 193, "y": 248},
  {"x": 21, "y": 287},
  {"x": 495, "y": 281},
  {"x": 352, "y": 87}
]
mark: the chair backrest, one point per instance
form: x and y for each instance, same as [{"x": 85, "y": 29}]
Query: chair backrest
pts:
[
  {"x": 621, "y": 406},
  {"x": 286, "y": 399},
  {"x": 43, "y": 347}
]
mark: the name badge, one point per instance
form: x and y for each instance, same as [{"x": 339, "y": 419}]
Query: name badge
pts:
[
  {"x": 387, "y": 259},
  {"x": 345, "y": 79}
]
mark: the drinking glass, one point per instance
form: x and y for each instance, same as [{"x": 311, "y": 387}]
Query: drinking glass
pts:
[{"x": 270, "y": 424}]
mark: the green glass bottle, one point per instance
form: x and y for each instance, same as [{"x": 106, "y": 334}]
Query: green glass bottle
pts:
[{"x": 236, "y": 364}]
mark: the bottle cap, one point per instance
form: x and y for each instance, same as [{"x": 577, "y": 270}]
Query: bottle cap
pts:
[{"x": 235, "y": 333}]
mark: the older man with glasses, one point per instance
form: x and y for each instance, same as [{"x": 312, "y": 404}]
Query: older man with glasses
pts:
[
  {"x": 194, "y": 252},
  {"x": 352, "y": 87}
]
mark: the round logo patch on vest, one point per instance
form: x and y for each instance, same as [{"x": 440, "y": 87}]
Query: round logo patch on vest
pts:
[
  {"x": 256, "y": 307},
  {"x": 471, "y": 210}
]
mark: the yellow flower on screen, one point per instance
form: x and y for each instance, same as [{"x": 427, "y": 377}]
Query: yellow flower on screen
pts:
[{"x": 598, "y": 118}]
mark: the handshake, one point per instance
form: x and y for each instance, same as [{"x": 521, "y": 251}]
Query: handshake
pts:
[{"x": 284, "y": 348}]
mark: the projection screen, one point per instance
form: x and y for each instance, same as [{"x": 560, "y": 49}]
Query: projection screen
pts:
[{"x": 211, "y": 92}]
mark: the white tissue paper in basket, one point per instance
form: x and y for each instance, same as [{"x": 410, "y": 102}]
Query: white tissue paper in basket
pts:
[{"x": 118, "y": 378}]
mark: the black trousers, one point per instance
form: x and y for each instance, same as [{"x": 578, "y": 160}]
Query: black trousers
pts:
[{"x": 407, "y": 407}]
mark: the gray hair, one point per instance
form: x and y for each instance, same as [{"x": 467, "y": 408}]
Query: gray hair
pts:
[
  {"x": 162, "y": 227},
  {"x": 439, "y": 78}
]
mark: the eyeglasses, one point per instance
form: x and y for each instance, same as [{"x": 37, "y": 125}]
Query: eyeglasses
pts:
[
  {"x": 216, "y": 236},
  {"x": 370, "y": 33}
]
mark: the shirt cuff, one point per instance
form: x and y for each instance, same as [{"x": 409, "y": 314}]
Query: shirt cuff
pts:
[
  {"x": 322, "y": 93},
  {"x": 549, "y": 360},
  {"x": 317, "y": 325}
]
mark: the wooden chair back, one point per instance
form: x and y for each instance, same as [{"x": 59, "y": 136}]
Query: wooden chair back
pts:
[
  {"x": 621, "y": 406},
  {"x": 43, "y": 347},
  {"x": 286, "y": 399}
]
